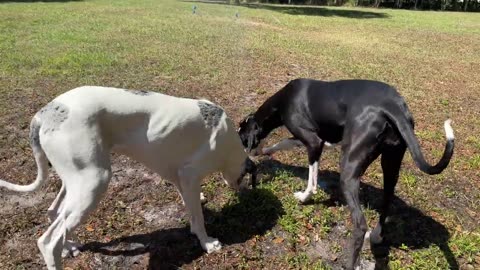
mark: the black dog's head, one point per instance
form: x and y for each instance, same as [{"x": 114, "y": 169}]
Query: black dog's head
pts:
[{"x": 249, "y": 132}]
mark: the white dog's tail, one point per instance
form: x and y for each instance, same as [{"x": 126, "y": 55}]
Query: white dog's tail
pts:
[{"x": 40, "y": 159}]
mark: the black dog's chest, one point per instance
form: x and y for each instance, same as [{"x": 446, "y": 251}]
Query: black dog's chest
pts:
[{"x": 330, "y": 132}]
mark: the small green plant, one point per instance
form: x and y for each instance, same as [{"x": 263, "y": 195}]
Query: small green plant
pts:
[
  {"x": 336, "y": 248},
  {"x": 409, "y": 180},
  {"x": 450, "y": 193},
  {"x": 474, "y": 162},
  {"x": 474, "y": 141},
  {"x": 444, "y": 102},
  {"x": 428, "y": 258},
  {"x": 326, "y": 220},
  {"x": 298, "y": 261},
  {"x": 466, "y": 245},
  {"x": 290, "y": 222},
  {"x": 302, "y": 261}
]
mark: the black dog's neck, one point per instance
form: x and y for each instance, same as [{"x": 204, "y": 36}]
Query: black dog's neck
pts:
[{"x": 268, "y": 117}]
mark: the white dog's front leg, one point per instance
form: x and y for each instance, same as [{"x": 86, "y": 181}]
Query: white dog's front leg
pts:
[
  {"x": 203, "y": 200},
  {"x": 311, "y": 186},
  {"x": 190, "y": 187}
]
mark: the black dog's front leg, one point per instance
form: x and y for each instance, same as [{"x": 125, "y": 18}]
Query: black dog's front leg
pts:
[{"x": 314, "y": 148}]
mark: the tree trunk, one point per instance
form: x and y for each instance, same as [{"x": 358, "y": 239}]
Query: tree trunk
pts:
[
  {"x": 397, "y": 3},
  {"x": 465, "y": 5}
]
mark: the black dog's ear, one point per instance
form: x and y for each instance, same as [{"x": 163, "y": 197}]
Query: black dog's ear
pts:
[
  {"x": 244, "y": 122},
  {"x": 251, "y": 168},
  {"x": 253, "y": 131},
  {"x": 250, "y": 143},
  {"x": 246, "y": 119}
]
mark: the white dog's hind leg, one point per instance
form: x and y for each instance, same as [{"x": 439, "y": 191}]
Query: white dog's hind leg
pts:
[
  {"x": 71, "y": 247},
  {"x": 190, "y": 187},
  {"x": 52, "y": 254},
  {"x": 55, "y": 207},
  {"x": 88, "y": 185}
]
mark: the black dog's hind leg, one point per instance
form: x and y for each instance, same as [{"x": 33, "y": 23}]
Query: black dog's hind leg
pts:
[
  {"x": 391, "y": 162},
  {"x": 360, "y": 148},
  {"x": 283, "y": 145}
]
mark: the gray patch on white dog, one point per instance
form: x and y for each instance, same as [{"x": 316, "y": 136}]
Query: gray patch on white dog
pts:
[
  {"x": 211, "y": 113},
  {"x": 34, "y": 133},
  {"x": 52, "y": 116},
  {"x": 139, "y": 92}
]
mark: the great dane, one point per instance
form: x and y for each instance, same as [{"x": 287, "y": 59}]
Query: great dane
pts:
[
  {"x": 368, "y": 119},
  {"x": 181, "y": 139}
]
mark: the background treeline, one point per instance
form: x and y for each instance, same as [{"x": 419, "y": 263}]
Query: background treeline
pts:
[{"x": 453, "y": 5}]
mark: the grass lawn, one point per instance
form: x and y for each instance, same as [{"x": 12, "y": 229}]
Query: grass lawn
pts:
[{"x": 237, "y": 56}]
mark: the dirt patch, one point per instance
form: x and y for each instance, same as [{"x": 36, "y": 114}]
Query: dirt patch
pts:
[{"x": 15, "y": 202}]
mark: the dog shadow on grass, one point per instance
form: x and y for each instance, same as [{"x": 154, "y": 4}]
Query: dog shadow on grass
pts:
[
  {"x": 406, "y": 225},
  {"x": 254, "y": 213},
  {"x": 302, "y": 10}
]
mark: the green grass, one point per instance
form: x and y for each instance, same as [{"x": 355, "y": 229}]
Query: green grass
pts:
[{"x": 431, "y": 57}]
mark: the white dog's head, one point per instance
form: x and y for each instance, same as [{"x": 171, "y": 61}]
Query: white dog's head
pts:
[{"x": 234, "y": 174}]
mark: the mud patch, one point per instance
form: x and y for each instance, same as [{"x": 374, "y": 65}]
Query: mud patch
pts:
[
  {"x": 16, "y": 202},
  {"x": 167, "y": 216}
]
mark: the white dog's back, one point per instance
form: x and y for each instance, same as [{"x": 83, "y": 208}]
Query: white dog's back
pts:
[{"x": 141, "y": 124}]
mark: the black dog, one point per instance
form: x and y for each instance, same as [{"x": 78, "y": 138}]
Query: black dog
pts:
[{"x": 369, "y": 118}]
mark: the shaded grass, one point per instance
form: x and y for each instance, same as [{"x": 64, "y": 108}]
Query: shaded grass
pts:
[{"x": 431, "y": 57}]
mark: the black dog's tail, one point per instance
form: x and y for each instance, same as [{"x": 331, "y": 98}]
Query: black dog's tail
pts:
[{"x": 397, "y": 117}]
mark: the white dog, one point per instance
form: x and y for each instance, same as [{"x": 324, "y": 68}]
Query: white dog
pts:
[{"x": 181, "y": 139}]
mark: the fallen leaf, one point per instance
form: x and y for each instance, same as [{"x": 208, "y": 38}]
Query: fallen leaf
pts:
[{"x": 278, "y": 240}]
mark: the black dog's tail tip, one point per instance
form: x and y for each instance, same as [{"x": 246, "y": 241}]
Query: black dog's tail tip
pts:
[{"x": 449, "y": 130}]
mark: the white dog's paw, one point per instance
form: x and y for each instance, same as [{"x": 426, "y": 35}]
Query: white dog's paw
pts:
[
  {"x": 203, "y": 200},
  {"x": 71, "y": 249},
  {"x": 211, "y": 245},
  {"x": 301, "y": 196}
]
